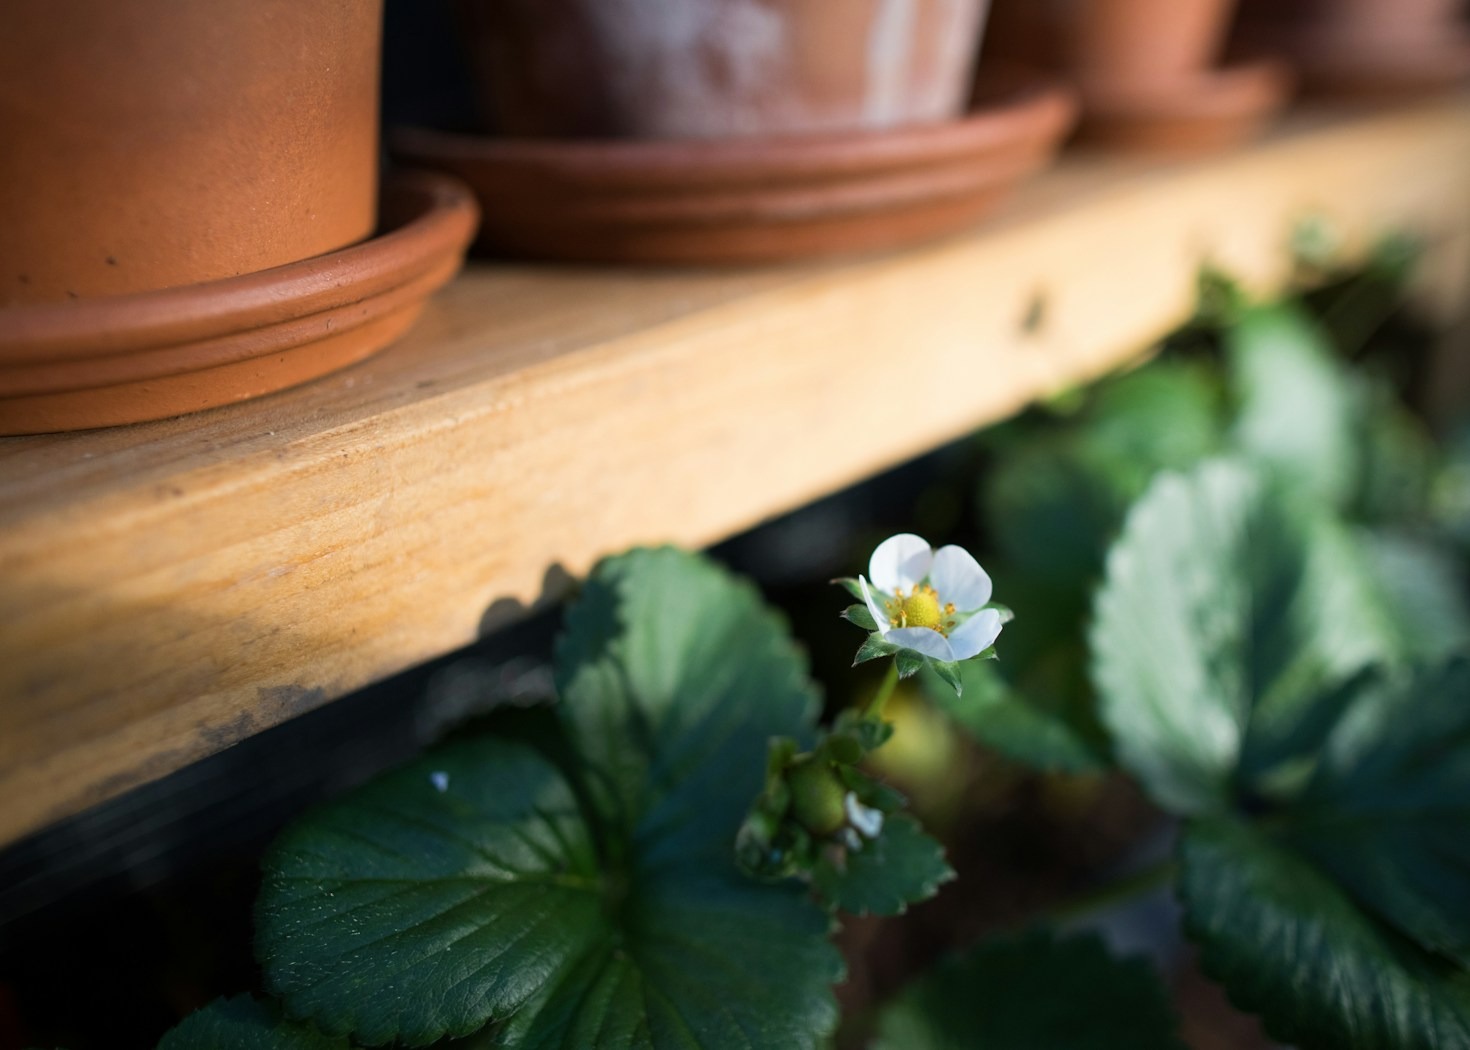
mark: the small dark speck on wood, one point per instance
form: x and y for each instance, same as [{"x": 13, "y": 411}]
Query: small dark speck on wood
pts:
[{"x": 1034, "y": 319}]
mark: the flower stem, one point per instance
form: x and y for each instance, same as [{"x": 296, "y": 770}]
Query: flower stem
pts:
[
  {"x": 885, "y": 690},
  {"x": 1111, "y": 893}
]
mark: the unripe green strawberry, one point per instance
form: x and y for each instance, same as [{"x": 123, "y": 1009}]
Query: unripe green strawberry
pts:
[{"x": 816, "y": 796}]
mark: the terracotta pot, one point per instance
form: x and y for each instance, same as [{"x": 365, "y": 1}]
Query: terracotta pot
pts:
[
  {"x": 657, "y": 69},
  {"x": 1147, "y": 70},
  {"x": 753, "y": 200},
  {"x": 153, "y": 144},
  {"x": 1146, "y": 43}
]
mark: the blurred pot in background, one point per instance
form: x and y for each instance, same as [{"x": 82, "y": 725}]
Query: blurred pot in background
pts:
[
  {"x": 1148, "y": 70},
  {"x": 716, "y": 132},
  {"x": 1367, "y": 47},
  {"x": 1143, "y": 44},
  {"x": 719, "y": 68}
]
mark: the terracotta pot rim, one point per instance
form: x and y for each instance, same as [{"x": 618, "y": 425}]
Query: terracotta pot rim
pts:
[
  {"x": 1226, "y": 92},
  {"x": 438, "y": 216},
  {"x": 1008, "y": 105}
]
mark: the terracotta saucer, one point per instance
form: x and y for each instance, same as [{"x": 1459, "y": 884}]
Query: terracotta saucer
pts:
[
  {"x": 751, "y": 200},
  {"x": 1213, "y": 110},
  {"x": 129, "y": 358}
]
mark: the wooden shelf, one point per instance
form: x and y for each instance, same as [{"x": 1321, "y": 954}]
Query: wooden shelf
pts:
[{"x": 168, "y": 589}]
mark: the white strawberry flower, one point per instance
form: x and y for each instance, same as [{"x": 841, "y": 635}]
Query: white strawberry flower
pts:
[{"x": 930, "y": 601}]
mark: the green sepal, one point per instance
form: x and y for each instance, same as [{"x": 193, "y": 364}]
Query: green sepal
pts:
[
  {"x": 872, "y": 793},
  {"x": 845, "y": 749},
  {"x": 870, "y": 733},
  {"x": 949, "y": 673},
  {"x": 874, "y": 647},
  {"x": 776, "y": 797},
  {"x": 860, "y": 616},
  {"x": 1006, "y": 613},
  {"x": 850, "y": 585},
  {"x": 909, "y": 663}
]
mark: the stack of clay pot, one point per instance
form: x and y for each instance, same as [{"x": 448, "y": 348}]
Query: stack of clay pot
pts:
[
  {"x": 187, "y": 197},
  {"x": 1362, "y": 47},
  {"x": 728, "y": 131}
]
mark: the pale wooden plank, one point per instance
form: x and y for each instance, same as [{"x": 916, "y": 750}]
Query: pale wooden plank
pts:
[{"x": 168, "y": 588}]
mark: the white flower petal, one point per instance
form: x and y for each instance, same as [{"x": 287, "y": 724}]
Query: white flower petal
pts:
[
  {"x": 976, "y": 634},
  {"x": 875, "y": 607},
  {"x": 866, "y": 819},
  {"x": 900, "y": 562},
  {"x": 922, "y": 640},
  {"x": 958, "y": 578}
]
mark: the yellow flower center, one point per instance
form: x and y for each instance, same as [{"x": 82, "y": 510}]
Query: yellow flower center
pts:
[{"x": 919, "y": 608}]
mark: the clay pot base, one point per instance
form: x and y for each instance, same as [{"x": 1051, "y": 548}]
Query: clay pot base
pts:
[
  {"x": 125, "y": 359},
  {"x": 1214, "y": 110},
  {"x": 751, "y": 200}
]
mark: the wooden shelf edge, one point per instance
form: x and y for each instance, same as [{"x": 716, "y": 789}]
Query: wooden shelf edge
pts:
[{"x": 168, "y": 589}]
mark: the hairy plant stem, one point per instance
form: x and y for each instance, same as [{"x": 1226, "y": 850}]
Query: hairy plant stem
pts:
[
  {"x": 885, "y": 690},
  {"x": 1110, "y": 894}
]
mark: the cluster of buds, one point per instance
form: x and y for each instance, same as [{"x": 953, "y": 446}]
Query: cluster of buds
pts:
[{"x": 816, "y": 804}]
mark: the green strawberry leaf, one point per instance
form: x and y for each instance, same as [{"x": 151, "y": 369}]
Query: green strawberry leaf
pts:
[
  {"x": 1054, "y": 501},
  {"x": 407, "y": 912},
  {"x": 243, "y": 1023},
  {"x": 902, "y": 866},
  {"x": 1290, "y": 945},
  {"x": 673, "y": 674},
  {"x": 1228, "y": 613},
  {"x": 1033, "y": 991},
  {"x": 1421, "y": 582},
  {"x": 1019, "y": 727},
  {"x": 478, "y": 886},
  {"x": 1387, "y": 812},
  {"x": 1298, "y": 409},
  {"x": 1398, "y": 457}
]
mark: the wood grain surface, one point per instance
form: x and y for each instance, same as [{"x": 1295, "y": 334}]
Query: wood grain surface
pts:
[{"x": 169, "y": 588}]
